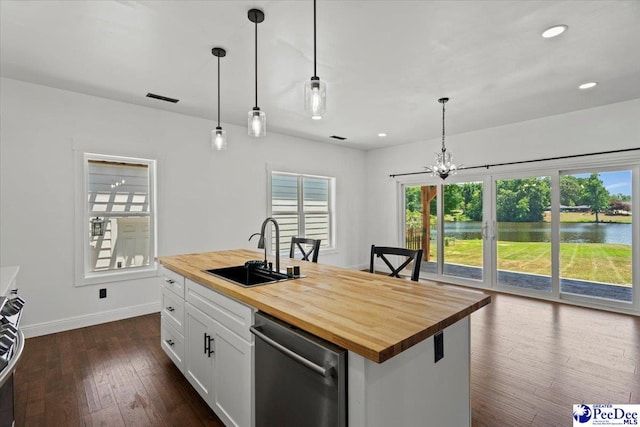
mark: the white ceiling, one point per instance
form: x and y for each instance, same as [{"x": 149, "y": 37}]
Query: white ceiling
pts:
[{"x": 385, "y": 62}]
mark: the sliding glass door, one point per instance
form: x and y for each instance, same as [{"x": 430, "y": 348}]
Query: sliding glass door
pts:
[
  {"x": 556, "y": 234},
  {"x": 463, "y": 242},
  {"x": 522, "y": 224},
  {"x": 596, "y": 255}
]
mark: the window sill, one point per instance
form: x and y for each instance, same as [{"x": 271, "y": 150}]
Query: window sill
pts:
[{"x": 118, "y": 276}]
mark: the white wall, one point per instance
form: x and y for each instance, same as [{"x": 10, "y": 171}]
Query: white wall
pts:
[
  {"x": 611, "y": 127},
  {"x": 206, "y": 200}
]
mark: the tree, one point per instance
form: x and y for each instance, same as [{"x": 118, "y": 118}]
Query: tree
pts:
[
  {"x": 473, "y": 208},
  {"x": 413, "y": 199},
  {"x": 453, "y": 200},
  {"x": 595, "y": 194},
  {"x": 522, "y": 200},
  {"x": 570, "y": 190}
]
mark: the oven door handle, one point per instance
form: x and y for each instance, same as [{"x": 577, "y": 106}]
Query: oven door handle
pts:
[{"x": 295, "y": 356}]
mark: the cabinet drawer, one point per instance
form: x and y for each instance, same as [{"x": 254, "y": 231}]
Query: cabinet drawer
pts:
[
  {"x": 173, "y": 281},
  {"x": 172, "y": 343},
  {"x": 173, "y": 309},
  {"x": 236, "y": 316}
]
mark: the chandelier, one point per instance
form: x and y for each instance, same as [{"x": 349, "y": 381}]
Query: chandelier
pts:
[{"x": 443, "y": 165}]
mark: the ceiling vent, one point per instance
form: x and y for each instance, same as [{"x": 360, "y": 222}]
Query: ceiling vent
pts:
[
  {"x": 339, "y": 138},
  {"x": 162, "y": 98}
]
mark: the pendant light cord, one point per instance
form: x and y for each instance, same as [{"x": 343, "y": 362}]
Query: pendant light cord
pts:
[
  {"x": 256, "y": 58},
  {"x": 314, "y": 39},
  {"x": 218, "y": 91}
]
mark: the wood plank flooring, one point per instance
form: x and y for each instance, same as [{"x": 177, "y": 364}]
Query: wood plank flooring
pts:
[
  {"x": 531, "y": 360},
  {"x": 114, "y": 374}
]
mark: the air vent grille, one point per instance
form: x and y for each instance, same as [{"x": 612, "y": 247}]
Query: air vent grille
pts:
[{"x": 162, "y": 98}]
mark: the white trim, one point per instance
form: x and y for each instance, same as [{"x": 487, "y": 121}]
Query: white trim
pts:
[
  {"x": 76, "y": 322},
  {"x": 81, "y": 217},
  {"x": 332, "y": 198}
]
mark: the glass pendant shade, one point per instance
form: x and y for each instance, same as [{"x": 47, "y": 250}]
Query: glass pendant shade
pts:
[
  {"x": 315, "y": 98},
  {"x": 219, "y": 139},
  {"x": 257, "y": 122}
]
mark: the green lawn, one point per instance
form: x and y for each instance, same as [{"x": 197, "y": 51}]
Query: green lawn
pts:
[{"x": 598, "y": 262}]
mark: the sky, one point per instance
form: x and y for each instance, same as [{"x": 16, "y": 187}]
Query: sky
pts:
[{"x": 615, "y": 182}]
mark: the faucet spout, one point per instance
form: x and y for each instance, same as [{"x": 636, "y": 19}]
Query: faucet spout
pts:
[{"x": 261, "y": 243}]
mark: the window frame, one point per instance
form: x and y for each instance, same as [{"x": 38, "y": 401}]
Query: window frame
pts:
[
  {"x": 553, "y": 169},
  {"x": 331, "y": 211},
  {"x": 83, "y": 275}
]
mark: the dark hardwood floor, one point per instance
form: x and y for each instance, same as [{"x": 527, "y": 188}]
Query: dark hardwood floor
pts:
[
  {"x": 114, "y": 374},
  {"x": 531, "y": 361}
]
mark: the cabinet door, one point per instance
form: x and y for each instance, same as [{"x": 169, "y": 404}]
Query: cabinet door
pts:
[
  {"x": 199, "y": 357},
  {"x": 232, "y": 396}
]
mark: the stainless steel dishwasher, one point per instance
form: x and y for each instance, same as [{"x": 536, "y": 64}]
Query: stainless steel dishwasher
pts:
[{"x": 300, "y": 379}]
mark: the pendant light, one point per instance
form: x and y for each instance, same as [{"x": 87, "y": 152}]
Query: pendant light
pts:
[
  {"x": 257, "y": 120},
  {"x": 315, "y": 90},
  {"x": 219, "y": 136},
  {"x": 443, "y": 166}
]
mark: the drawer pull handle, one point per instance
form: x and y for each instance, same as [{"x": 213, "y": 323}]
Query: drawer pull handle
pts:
[
  {"x": 170, "y": 281},
  {"x": 171, "y": 309},
  {"x": 170, "y": 342}
]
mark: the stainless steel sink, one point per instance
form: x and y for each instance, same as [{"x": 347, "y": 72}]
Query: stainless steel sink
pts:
[{"x": 248, "y": 275}]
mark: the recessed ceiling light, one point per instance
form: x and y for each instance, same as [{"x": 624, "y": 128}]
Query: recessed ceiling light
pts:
[
  {"x": 382, "y": 134},
  {"x": 554, "y": 31},
  {"x": 588, "y": 85}
]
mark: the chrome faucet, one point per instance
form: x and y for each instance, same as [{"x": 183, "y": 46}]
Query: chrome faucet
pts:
[{"x": 261, "y": 244}]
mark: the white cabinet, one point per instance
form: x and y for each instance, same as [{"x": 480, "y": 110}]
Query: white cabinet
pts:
[
  {"x": 172, "y": 316},
  {"x": 211, "y": 344},
  {"x": 200, "y": 338},
  {"x": 233, "y": 366}
]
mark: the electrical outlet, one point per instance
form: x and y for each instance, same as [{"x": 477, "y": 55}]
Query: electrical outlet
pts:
[
  {"x": 103, "y": 293},
  {"x": 438, "y": 346}
]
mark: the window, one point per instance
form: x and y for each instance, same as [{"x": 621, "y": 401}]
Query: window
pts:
[
  {"x": 563, "y": 232},
  {"x": 303, "y": 206},
  {"x": 117, "y": 214}
]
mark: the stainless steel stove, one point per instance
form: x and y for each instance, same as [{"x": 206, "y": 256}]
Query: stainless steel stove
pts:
[{"x": 11, "y": 346}]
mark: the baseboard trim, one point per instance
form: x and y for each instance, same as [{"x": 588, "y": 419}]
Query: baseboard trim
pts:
[{"x": 67, "y": 324}]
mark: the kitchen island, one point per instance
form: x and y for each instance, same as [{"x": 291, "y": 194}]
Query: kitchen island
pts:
[{"x": 386, "y": 324}]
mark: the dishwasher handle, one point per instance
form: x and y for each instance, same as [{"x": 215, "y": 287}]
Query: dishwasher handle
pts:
[{"x": 295, "y": 356}]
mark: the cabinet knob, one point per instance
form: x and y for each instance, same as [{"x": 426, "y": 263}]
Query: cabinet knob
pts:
[
  {"x": 170, "y": 342},
  {"x": 170, "y": 309},
  {"x": 170, "y": 281}
]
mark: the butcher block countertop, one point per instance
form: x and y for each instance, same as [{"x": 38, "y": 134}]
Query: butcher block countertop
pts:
[{"x": 372, "y": 315}]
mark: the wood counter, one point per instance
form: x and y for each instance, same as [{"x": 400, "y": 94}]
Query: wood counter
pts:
[{"x": 372, "y": 315}]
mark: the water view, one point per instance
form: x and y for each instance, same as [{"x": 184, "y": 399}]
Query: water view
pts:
[{"x": 612, "y": 233}]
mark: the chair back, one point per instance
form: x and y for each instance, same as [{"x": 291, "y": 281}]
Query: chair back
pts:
[
  {"x": 310, "y": 254},
  {"x": 410, "y": 254}
]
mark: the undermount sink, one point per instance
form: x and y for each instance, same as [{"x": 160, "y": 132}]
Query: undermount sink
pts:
[{"x": 248, "y": 275}]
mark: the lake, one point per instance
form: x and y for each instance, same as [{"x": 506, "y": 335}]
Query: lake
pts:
[{"x": 541, "y": 232}]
